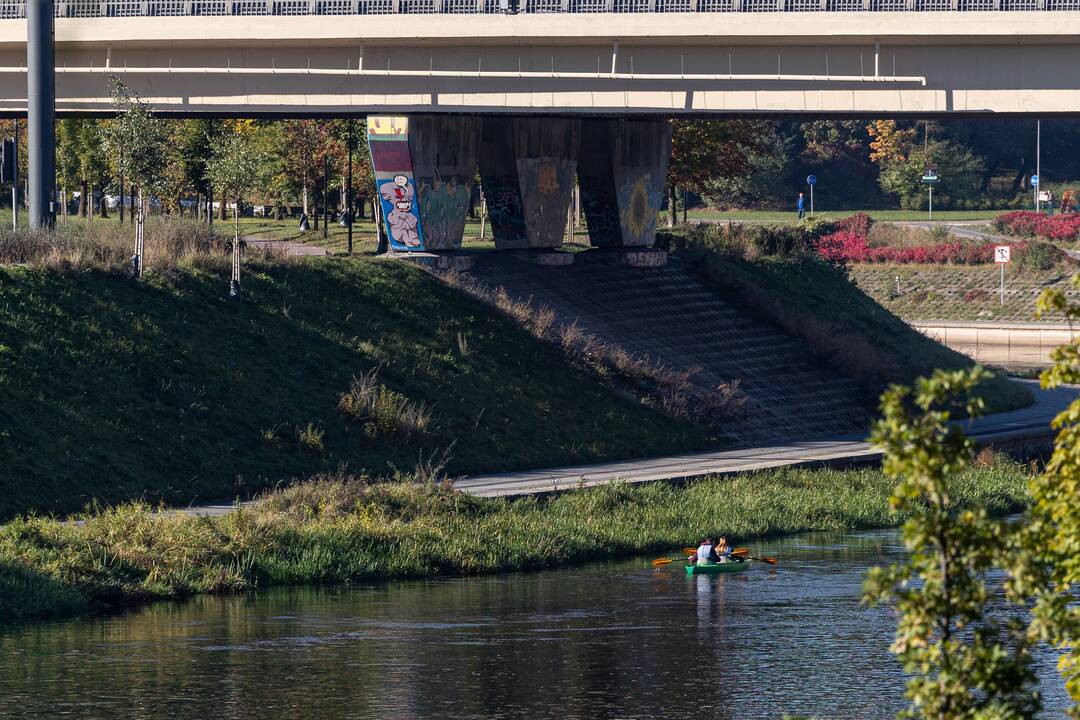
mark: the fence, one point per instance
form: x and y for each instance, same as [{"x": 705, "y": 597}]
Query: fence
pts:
[{"x": 162, "y": 8}]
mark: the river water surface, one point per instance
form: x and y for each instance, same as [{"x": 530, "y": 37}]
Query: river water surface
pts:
[{"x": 610, "y": 640}]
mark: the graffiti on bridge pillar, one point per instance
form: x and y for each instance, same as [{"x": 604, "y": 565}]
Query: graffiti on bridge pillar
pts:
[
  {"x": 424, "y": 167},
  {"x": 527, "y": 166},
  {"x": 388, "y": 141},
  {"x": 622, "y": 172}
]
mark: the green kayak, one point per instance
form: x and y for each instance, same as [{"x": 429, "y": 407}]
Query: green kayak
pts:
[{"x": 717, "y": 569}]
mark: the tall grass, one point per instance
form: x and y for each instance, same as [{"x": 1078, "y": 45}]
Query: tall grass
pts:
[
  {"x": 170, "y": 243},
  {"x": 340, "y": 528},
  {"x": 383, "y": 412}
]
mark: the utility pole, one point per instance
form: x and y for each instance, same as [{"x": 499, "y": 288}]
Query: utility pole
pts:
[
  {"x": 348, "y": 199},
  {"x": 15, "y": 182},
  {"x": 325, "y": 195},
  {"x": 41, "y": 112}
]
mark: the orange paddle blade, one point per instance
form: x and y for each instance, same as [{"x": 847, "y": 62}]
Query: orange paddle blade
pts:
[
  {"x": 689, "y": 551},
  {"x": 740, "y": 551},
  {"x": 661, "y": 561},
  {"x": 769, "y": 560}
]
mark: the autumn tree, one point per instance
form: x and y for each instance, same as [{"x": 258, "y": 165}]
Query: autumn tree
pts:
[{"x": 703, "y": 150}]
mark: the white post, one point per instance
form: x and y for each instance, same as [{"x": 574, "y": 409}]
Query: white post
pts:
[
  {"x": 811, "y": 201},
  {"x": 930, "y": 186},
  {"x": 1002, "y": 284}
]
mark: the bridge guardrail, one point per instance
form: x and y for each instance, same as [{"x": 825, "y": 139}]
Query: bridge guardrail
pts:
[{"x": 166, "y": 8}]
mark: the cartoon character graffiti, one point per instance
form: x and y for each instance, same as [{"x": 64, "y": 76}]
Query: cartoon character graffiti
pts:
[{"x": 403, "y": 221}]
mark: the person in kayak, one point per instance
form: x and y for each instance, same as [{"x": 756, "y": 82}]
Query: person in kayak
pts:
[
  {"x": 706, "y": 553},
  {"x": 723, "y": 550}
]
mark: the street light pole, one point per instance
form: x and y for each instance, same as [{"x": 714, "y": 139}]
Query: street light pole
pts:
[
  {"x": 41, "y": 112},
  {"x": 1038, "y": 158},
  {"x": 348, "y": 199},
  {"x": 15, "y": 182}
]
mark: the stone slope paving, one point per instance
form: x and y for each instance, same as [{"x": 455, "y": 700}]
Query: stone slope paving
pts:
[{"x": 666, "y": 314}]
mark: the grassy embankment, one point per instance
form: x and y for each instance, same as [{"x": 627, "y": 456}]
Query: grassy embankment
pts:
[
  {"x": 115, "y": 389},
  {"x": 771, "y": 276},
  {"x": 338, "y": 530}
]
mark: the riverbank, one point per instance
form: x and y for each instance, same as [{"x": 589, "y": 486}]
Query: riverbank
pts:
[{"x": 338, "y": 530}]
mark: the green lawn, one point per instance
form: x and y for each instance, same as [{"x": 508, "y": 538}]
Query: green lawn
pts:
[{"x": 114, "y": 389}]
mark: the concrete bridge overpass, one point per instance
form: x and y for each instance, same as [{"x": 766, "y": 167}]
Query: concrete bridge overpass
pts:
[
  {"x": 538, "y": 93},
  {"x": 682, "y": 57}
]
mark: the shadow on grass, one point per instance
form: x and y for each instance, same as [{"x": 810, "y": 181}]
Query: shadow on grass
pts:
[
  {"x": 164, "y": 389},
  {"x": 27, "y": 595}
]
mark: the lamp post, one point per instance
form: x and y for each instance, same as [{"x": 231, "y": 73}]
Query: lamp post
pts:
[{"x": 41, "y": 112}]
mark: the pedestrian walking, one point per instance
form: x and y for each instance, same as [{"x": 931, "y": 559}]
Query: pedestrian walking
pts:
[{"x": 800, "y": 205}]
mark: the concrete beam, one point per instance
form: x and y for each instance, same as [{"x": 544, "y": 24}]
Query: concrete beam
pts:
[{"x": 628, "y": 29}]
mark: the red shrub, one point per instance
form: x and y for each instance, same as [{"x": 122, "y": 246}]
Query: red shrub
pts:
[
  {"x": 1025, "y": 223},
  {"x": 859, "y": 223}
]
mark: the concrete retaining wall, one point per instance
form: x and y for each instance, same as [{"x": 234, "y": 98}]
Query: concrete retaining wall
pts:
[{"x": 1008, "y": 345}]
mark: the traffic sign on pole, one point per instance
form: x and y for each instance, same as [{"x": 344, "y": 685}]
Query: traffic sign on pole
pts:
[
  {"x": 811, "y": 180},
  {"x": 1002, "y": 256}
]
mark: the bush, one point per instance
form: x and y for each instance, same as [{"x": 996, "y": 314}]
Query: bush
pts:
[
  {"x": 1025, "y": 223},
  {"x": 384, "y": 412},
  {"x": 851, "y": 244},
  {"x": 1038, "y": 256}
]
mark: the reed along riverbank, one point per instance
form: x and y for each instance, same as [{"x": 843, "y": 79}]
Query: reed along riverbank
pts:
[{"x": 339, "y": 530}]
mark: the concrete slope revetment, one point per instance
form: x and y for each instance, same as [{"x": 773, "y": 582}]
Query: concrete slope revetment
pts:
[{"x": 666, "y": 314}]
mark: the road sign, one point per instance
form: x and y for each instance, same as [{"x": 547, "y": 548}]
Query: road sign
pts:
[
  {"x": 811, "y": 180},
  {"x": 1035, "y": 180},
  {"x": 929, "y": 179},
  {"x": 1002, "y": 256}
]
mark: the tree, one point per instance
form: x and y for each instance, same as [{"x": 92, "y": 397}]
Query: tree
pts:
[
  {"x": 233, "y": 170},
  {"x": 1047, "y": 568},
  {"x": 963, "y": 664},
  {"x": 703, "y": 151},
  {"x": 135, "y": 140}
]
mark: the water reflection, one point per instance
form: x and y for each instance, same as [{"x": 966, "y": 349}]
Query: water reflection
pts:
[{"x": 613, "y": 640}]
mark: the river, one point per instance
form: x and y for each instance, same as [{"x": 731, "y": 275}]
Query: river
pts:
[{"x": 609, "y": 640}]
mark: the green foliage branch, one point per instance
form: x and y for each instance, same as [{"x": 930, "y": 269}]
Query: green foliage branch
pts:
[
  {"x": 1047, "y": 565},
  {"x": 963, "y": 662}
]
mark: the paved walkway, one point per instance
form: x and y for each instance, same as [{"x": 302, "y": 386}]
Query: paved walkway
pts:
[
  {"x": 1032, "y": 423},
  {"x": 290, "y": 247}
]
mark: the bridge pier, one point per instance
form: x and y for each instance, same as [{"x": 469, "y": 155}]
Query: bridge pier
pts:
[
  {"x": 527, "y": 166},
  {"x": 424, "y": 167},
  {"x": 622, "y": 169}
]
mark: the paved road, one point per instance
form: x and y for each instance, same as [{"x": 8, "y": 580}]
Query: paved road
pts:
[{"x": 1031, "y": 423}]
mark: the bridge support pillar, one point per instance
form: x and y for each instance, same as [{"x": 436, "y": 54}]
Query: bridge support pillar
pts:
[
  {"x": 424, "y": 168},
  {"x": 622, "y": 169},
  {"x": 527, "y": 166}
]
